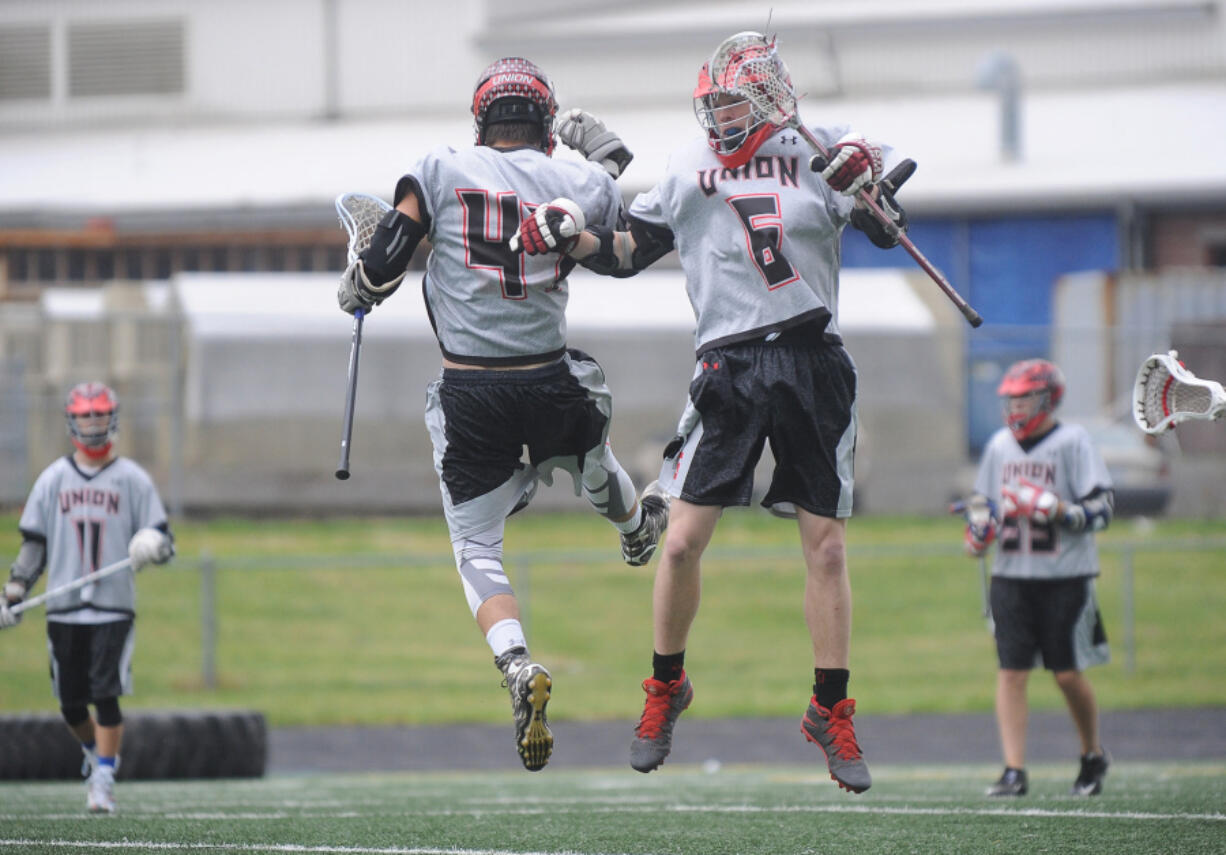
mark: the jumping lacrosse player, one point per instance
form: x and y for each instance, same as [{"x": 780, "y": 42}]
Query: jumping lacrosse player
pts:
[
  {"x": 508, "y": 379},
  {"x": 88, "y": 510},
  {"x": 1041, "y": 492},
  {"x": 758, "y": 236}
]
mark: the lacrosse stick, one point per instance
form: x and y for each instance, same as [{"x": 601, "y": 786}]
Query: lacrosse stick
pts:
[
  {"x": 359, "y": 214},
  {"x": 959, "y": 508},
  {"x": 983, "y": 589},
  {"x": 109, "y": 570},
  {"x": 1166, "y": 393},
  {"x": 746, "y": 64}
]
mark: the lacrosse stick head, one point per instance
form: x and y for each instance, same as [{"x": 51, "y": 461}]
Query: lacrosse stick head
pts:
[
  {"x": 744, "y": 94},
  {"x": 359, "y": 214},
  {"x": 92, "y": 410},
  {"x": 1167, "y": 393},
  {"x": 1030, "y": 392}
]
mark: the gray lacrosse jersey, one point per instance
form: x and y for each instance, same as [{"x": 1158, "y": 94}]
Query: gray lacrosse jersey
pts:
[
  {"x": 87, "y": 522},
  {"x": 1064, "y": 462},
  {"x": 489, "y": 305},
  {"x": 760, "y": 245}
]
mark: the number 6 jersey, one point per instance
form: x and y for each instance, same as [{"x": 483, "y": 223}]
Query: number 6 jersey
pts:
[
  {"x": 759, "y": 243},
  {"x": 1063, "y": 461}
]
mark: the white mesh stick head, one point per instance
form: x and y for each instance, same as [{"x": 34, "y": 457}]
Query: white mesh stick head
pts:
[
  {"x": 747, "y": 64},
  {"x": 359, "y": 214},
  {"x": 1166, "y": 393}
]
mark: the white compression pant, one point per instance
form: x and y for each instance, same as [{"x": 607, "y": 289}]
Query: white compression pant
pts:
[
  {"x": 607, "y": 486},
  {"x": 478, "y": 557}
]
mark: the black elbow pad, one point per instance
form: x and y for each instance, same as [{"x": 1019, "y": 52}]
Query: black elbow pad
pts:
[
  {"x": 391, "y": 247},
  {"x": 651, "y": 242}
]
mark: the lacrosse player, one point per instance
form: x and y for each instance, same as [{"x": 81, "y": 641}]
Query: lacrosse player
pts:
[
  {"x": 88, "y": 510},
  {"x": 1041, "y": 492},
  {"x": 758, "y": 237},
  {"x": 508, "y": 379}
]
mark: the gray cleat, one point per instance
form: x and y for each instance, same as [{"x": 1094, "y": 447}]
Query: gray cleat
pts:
[
  {"x": 653, "y": 736},
  {"x": 833, "y": 731}
]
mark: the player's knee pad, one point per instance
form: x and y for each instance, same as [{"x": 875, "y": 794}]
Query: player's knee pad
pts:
[
  {"x": 607, "y": 486},
  {"x": 74, "y": 715},
  {"x": 108, "y": 714},
  {"x": 478, "y": 558}
]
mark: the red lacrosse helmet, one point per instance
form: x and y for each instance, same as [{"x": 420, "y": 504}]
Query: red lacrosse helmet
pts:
[
  {"x": 735, "y": 128},
  {"x": 87, "y": 404},
  {"x": 514, "y": 90},
  {"x": 1036, "y": 380}
]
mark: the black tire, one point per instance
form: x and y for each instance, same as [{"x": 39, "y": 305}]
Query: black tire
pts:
[{"x": 156, "y": 745}]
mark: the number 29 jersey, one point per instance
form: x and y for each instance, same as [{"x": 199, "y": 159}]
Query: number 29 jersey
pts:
[
  {"x": 489, "y": 305},
  {"x": 760, "y": 244},
  {"x": 1063, "y": 461}
]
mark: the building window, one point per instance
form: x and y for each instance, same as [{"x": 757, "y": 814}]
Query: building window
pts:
[
  {"x": 125, "y": 57},
  {"x": 25, "y": 62}
]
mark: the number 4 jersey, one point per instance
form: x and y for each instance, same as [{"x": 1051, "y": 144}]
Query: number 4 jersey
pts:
[
  {"x": 1063, "y": 461},
  {"x": 87, "y": 521},
  {"x": 489, "y": 305},
  {"x": 760, "y": 244}
]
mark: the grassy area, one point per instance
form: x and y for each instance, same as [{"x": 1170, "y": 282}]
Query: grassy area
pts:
[
  {"x": 363, "y": 621},
  {"x": 1146, "y": 809}
]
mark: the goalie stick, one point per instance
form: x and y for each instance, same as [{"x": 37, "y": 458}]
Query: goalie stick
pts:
[
  {"x": 109, "y": 570},
  {"x": 761, "y": 78},
  {"x": 1167, "y": 393},
  {"x": 359, "y": 214}
]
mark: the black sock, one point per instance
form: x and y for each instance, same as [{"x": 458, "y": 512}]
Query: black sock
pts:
[
  {"x": 830, "y": 685},
  {"x": 667, "y": 668}
]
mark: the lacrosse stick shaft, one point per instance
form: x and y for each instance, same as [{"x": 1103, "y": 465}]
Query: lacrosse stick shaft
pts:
[
  {"x": 351, "y": 389},
  {"x": 983, "y": 587},
  {"x": 905, "y": 242},
  {"x": 109, "y": 570}
]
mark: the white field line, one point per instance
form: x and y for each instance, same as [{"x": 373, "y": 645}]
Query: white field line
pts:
[
  {"x": 638, "y": 809},
  {"x": 76, "y": 845}
]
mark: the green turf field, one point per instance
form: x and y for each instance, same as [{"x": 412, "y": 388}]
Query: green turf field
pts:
[
  {"x": 681, "y": 811},
  {"x": 364, "y": 621}
]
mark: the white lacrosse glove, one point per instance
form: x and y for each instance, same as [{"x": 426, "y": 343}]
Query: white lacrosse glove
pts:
[
  {"x": 854, "y": 162},
  {"x": 553, "y": 227},
  {"x": 1030, "y": 501},
  {"x": 14, "y": 593},
  {"x": 588, "y": 135},
  {"x": 150, "y": 546}
]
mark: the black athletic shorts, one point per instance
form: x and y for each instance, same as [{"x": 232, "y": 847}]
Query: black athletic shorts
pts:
[
  {"x": 90, "y": 661},
  {"x": 797, "y": 394},
  {"x": 490, "y": 416},
  {"x": 1055, "y": 622}
]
